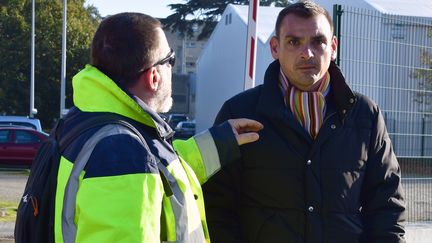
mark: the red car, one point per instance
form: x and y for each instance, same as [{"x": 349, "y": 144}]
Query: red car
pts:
[{"x": 18, "y": 145}]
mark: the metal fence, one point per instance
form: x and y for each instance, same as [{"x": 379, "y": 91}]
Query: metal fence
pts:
[{"x": 389, "y": 58}]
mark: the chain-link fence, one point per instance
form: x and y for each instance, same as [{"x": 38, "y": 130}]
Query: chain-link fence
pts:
[{"x": 389, "y": 58}]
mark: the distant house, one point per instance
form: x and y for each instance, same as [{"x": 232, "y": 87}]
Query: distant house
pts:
[
  {"x": 187, "y": 50},
  {"x": 380, "y": 47}
]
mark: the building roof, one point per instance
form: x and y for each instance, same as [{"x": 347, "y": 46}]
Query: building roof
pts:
[{"x": 418, "y": 8}]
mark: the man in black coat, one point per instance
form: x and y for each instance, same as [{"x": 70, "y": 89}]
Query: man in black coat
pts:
[{"x": 324, "y": 169}]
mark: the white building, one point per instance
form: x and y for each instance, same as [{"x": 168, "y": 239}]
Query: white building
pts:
[{"x": 221, "y": 67}]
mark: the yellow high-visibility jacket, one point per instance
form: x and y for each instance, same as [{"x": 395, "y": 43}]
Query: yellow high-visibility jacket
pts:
[{"x": 112, "y": 188}]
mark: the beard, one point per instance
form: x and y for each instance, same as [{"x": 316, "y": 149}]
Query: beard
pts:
[
  {"x": 165, "y": 105},
  {"x": 163, "y": 99}
]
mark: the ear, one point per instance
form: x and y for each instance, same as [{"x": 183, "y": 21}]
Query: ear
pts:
[
  {"x": 150, "y": 79},
  {"x": 334, "y": 45},
  {"x": 274, "y": 47}
]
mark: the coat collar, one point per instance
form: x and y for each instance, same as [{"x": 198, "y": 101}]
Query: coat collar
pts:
[
  {"x": 342, "y": 95},
  {"x": 272, "y": 104},
  {"x": 93, "y": 91}
]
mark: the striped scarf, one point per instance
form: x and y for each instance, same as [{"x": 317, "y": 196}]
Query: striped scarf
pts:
[{"x": 308, "y": 107}]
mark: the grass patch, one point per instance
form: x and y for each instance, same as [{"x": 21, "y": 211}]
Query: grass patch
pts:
[{"x": 8, "y": 211}]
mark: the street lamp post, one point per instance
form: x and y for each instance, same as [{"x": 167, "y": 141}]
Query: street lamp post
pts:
[
  {"x": 63, "y": 111},
  {"x": 32, "y": 110}
]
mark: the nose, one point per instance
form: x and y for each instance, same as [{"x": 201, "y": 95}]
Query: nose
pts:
[{"x": 306, "y": 53}]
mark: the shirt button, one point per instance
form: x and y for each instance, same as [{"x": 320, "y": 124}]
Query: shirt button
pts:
[
  {"x": 351, "y": 100},
  {"x": 309, "y": 162},
  {"x": 333, "y": 126},
  {"x": 310, "y": 209},
  {"x": 343, "y": 111}
]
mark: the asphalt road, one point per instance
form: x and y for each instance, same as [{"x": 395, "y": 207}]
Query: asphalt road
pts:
[{"x": 12, "y": 184}]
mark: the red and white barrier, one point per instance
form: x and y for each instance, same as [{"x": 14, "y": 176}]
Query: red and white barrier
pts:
[{"x": 251, "y": 45}]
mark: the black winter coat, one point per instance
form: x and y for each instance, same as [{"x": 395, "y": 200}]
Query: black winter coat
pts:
[{"x": 344, "y": 186}]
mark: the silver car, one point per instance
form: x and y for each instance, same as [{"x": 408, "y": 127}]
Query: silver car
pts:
[{"x": 21, "y": 121}]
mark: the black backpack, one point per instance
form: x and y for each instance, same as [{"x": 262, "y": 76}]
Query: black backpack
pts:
[{"x": 35, "y": 215}]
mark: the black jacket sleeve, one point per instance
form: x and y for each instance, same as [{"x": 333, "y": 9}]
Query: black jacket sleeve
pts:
[
  {"x": 221, "y": 193},
  {"x": 383, "y": 205}
]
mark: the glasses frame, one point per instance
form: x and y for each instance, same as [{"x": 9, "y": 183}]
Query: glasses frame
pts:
[{"x": 170, "y": 58}]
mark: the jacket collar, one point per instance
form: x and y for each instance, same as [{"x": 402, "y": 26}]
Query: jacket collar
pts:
[
  {"x": 93, "y": 91},
  {"x": 272, "y": 104},
  {"x": 342, "y": 95},
  {"x": 163, "y": 129}
]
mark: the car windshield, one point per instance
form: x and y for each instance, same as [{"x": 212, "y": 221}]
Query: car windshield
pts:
[
  {"x": 178, "y": 118},
  {"x": 188, "y": 125}
]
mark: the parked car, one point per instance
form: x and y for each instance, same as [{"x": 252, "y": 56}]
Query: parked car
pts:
[
  {"x": 18, "y": 145},
  {"x": 21, "y": 121},
  {"x": 185, "y": 129},
  {"x": 174, "y": 119}
]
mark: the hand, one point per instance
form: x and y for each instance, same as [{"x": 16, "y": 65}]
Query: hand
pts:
[{"x": 245, "y": 130}]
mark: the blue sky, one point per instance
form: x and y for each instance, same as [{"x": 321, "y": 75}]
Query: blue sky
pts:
[{"x": 155, "y": 8}]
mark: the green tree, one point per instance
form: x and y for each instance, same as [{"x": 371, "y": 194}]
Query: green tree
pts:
[
  {"x": 205, "y": 13},
  {"x": 15, "y": 63}
]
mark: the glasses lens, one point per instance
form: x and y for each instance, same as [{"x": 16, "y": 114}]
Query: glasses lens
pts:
[{"x": 172, "y": 60}]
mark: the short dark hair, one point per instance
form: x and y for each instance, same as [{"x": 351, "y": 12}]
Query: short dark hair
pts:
[
  {"x": 304, "y": 9},
  {"x": 123, "y": 44}
]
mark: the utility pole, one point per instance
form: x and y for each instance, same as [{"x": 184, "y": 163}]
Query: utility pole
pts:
[
  {"x": 32, "y": 111},
  {"x": 63, "y": 111}
]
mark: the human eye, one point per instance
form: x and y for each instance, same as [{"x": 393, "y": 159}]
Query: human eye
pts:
[
  {"x": 293, "y": 42},
  {"x": 319, "y": 41}
]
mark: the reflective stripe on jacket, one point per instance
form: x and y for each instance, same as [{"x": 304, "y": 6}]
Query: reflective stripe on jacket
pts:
[{"x": 111, "y": 188}]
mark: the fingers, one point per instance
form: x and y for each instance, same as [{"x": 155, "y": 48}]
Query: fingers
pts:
[
  {"x": 247, "y": 138},
  {"x": 245, "y": 125},
  {"x": 245, "y": 130}
]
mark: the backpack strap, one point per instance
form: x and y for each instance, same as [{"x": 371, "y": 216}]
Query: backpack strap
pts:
[{"x": 93, "y": 122}]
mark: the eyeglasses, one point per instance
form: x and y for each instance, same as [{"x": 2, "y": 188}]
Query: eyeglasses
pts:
[{"x": 170, "y": 58}]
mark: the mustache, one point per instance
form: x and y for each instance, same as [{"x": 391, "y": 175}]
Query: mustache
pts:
[{"x": 307, "y": 63}]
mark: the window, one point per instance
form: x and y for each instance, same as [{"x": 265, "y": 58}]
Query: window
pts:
[
  {"x": 4, "y": 136},
  {"x": 188, "y": 125},
  {"x": 25, "y": 137},
  {"x": 228, "y": 19},
  {"x": 190, "y": 64},
  {"x": 191, "y": 44}
]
